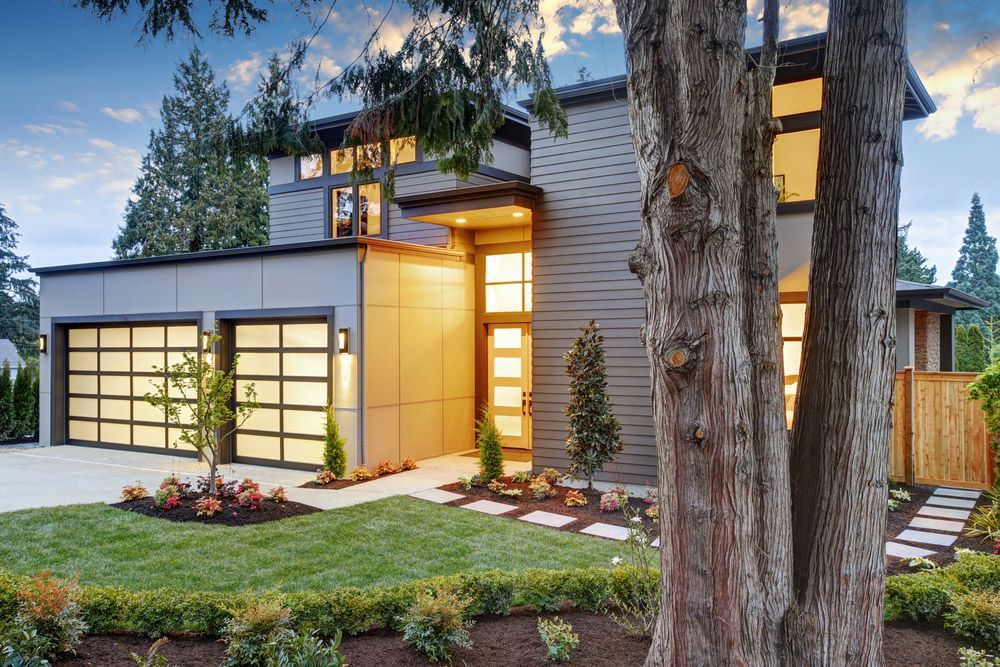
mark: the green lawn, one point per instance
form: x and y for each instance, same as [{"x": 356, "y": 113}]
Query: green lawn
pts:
[{"x": 386, "y": 541}]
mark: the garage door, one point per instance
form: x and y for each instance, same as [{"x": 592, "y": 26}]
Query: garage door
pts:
[
  {"x": 288, "y": 363},
  {"x": 109, "y": 370}
]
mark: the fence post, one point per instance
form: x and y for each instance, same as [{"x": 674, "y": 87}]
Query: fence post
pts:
[{"x": 909, "y": 423}]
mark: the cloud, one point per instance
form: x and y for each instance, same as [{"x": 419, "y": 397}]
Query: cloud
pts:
[
  {"x": 803, "y": 18},
  {"x": 62, "y": 182},
  {"x": 562, "y": 20},
  {"x": 123, "y": 115},
  {"x": 51, "y": 128},
  {"x": 118, "y": 186},
  {"x": 244, "y": 72},
  {"x": 67, "y": 106}
]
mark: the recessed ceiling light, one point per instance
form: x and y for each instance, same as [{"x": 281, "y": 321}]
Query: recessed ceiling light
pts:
[
  {"x": 518, "y": 214},
  {"x": 459, "y": 220}
]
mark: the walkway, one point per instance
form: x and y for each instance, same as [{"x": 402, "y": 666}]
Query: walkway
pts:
[
  {"x": 66, "y": 475},
  {"x": 937, "y": 524}
]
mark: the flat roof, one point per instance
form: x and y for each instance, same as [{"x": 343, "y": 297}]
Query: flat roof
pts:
[{"x": 945, "y": 296}]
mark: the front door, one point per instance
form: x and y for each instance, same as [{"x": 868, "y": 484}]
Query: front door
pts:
[{"x": 509, "y": 370}]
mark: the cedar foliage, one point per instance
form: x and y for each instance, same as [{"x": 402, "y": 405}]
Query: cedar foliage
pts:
[
  {"x": 334, "y": 446},
  {"x": 490, "y": 443},
  {"x": 975, "y": 271},
  {"x": 970, "y": 349},
  {"x": 6, "y": 404},
  {"x": 18, "y": 298},
  {"x": 24, "y": 404},
  {"x": 594, "y": 432},
  {"x": 910, "y": 263}
]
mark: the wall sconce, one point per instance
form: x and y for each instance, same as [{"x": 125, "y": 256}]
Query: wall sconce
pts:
[
  {"x": 343, "y": 340},
  {"x": 206, "y": 340},
  {"x": 43, "y": 344}
]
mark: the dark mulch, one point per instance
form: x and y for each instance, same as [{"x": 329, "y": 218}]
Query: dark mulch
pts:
[
  {"x": 344, "y": 483},
  {"x": 899, "y": 520},
  {"x": 231, "y": 515},
  {"x": 500, "y": 642},
  {"x": 586, "y": 515}
]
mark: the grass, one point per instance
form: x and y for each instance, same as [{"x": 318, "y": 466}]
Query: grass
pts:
[{"x": 386, "y": 541}]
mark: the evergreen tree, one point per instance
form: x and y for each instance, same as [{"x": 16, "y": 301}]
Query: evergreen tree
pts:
[
  {"x": 192, "y": 193},
  {"x": 18, "y": 298},
  {"x": 910, "y": 262},
  {"x": 970, "y": 349},
  {"x": 490, "y": 443},
  {"x": 594, "y": 432},
  {"x": 23, "y": 404},
  {"x": 35, "y": 388},
  {"x": 6, "y": 404},
  {"x": 334, "y": 446},
  {"x": 976, "y": 269}
]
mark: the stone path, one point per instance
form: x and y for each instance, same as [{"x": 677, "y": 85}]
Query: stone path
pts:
[{"x": 938, "y": 524}]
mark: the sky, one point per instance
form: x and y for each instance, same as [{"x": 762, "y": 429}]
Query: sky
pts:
[{"x": 80, "y": 97}]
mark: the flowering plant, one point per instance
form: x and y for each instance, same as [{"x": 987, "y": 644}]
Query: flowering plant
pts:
[
  {"x": 541, "y": 489},
  {"x": 134, "y": 492},
  {"x": 250, "y": 498},
  {"x": 278, "y": 495},
  {"x": 575, "y": 498},
  {"x": 653, "y": 512},
  {"x": 174, "y": 481},
  {"x": 167, "y": 497},
  {"x": 408, "y": 464},
  {"x": 208, "y": 506},
  {"x": 499, "y": 488},
  {"x": 550, "y": 475},
  {"x": 614, "y": 500},
  {"x": 325, "y": 476},
  {"x": 466, "y": 482},
  {"x": 385, "y": 468},
  {"x": 360, "y": 474},
  {"x": 247, "y": 485}
]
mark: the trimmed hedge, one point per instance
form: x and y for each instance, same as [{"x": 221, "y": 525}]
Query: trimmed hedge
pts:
[{"x": 349, "y": 610}]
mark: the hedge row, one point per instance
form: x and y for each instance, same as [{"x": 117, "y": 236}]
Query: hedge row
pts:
[
  {"x": 350, "y": 610},
  {"x": 964, "y": 596}
]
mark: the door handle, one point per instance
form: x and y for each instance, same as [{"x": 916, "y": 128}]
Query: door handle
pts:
[
  {"x": 524, "y": 403},
  {"x": 531, "y": 403}
]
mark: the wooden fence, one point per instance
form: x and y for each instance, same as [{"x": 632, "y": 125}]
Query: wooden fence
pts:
[{"x": 939, "y": 436}]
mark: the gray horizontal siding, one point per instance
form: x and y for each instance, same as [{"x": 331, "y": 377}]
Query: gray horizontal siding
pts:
[
  {"x": 297, "y": 216},
  {"x": 424, "y": 233},
  {"x": 585, "y": 226}
]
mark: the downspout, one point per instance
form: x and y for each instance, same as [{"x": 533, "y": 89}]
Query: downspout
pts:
[{"x": 361, "y": 352}]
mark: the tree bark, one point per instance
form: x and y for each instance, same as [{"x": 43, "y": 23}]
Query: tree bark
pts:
[
  {"x": 686, "y": 96},
  {"x": 844, "y": 410}
]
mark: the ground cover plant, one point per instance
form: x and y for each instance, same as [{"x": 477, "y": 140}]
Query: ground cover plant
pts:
[
  {"x": 381, "y": 542},
  {"x": 330, "y": 479}
]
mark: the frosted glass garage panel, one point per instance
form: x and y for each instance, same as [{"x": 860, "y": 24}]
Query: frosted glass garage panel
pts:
[
  {"x": 305, "y": 364},
  {"x": 793, "y": 319},
  {"x": 80, "y": 430},
  {"x": 115, "y": 409},
  {"x": 305, "y": 393},
  {"x": 303, "y": 422},
  {"x": 144, "y": 412},
  {"x": 117, "y": 434},
  {"x": 147, "y": 362},
  {"x": 82, "y": 407},
  {"x": 83, "y": 384},
  {"x": 83, "y": 337},
  {"x": 509, "y": 425},
  {"x": 115, "y": 385},
  {"x": 263, "y": 419},
  {"x": 174, "y": 440},
  {"x": 114, "y": 362},
  {"x": 258, "y": 446},
  {"x": 117, "y": 337},
  {"x": 83, "y": 361},
  {"x": 304, "y": 451},
  {"x": 305, "y": 335},
  {"x": 183, "y": 336},
  {"x": 149, "y": 436},
  {"x": 148, "y": 337},
  {"x": 259, "y": 363},
  {"x": 258, "y": 335},
  {"x": 268, "y": 391},
  {"x": 146, "y": 384}
]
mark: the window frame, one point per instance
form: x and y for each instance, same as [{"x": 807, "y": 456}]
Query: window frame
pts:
[{"x": 331, "y": 210}]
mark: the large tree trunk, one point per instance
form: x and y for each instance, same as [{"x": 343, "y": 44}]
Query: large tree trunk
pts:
[
  {"x": 686, "y": 97},
  {"x": 844, "y": 411}
]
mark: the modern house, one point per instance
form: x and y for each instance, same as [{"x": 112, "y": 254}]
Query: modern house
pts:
[{"x": 406, "y": 315}]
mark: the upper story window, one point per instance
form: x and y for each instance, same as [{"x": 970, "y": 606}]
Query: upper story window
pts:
[
  {"x": 789, "y": 99},
  {"x": 348, "y": 219},
  {"x": 311, "y": 166},
  {"x": 508, "y": 283},
  {"x": 795, "y": 160},
  {"x": 370, "y": 155}
]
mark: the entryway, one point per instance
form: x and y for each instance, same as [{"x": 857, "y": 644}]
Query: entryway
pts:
[{"x": 509, "y": 381}]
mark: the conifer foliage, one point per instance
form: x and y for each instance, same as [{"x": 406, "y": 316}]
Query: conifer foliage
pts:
[
  {"x": 18, "y": 298},
  {"x": 490, "y": 443},
  {"x": 193, "y": 192},
  {"x": 975, "y": 271},
  {"x": 910, "y": 263},
  {"x": 334, "y": 446},
  {"x": 594, "y": 432}
]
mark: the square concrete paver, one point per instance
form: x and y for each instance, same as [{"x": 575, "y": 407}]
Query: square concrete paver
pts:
[
  {"x": 550, "y": 519},
  {"x": 607, "y": 530},
  {"x": 944, "y": 501},
  {"x": 923, "y": 537},
  {"x": 944, "y": 512},
  {"x": 956, "y": 493},
  {"x": 437, "y": 496},
  {"x": 905, "y": 551},
  {"x": 937, "y": 524},
  {"x": 488, "y": 507}
]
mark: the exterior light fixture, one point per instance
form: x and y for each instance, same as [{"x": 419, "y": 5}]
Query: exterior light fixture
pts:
[
  {"x": 43, "y": 344},
  {"x": 343, "y": 340},
  {"x": 518, "y": 214},
  {"x": 459, "y": 220},
  {"x": 206, "y": 340}
]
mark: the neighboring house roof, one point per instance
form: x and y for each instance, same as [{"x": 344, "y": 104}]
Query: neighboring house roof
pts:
[
  {"x": 935, "y": 297},
  {"x": 8, "y": 353}
]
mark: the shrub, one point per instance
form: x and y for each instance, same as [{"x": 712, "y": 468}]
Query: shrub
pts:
[
  {"x": 436, "y": 622},
  {"x": 167, "y": 497},
  {"x": 550, "y": 475},
  {"x": 303, "y": 650},
  {"x": 653, "y": 512},
  {"x": 223, "y": 489},
  {"x": 976, "y": 616},
  {"x": 920, "y": 563},
  {"x": 385, "y": 468},
  {"x": 498, "y": 487},
  {"x": 917, "y": 597},
  {"x": 521, "y": 476},
  {"x": 466, "y": 483},
  {"x": 614, "y": 500},
  {"x": 251, "y": 499},
  {"x": 24, "y": 402},
  {"x": 407, "y": 464},
  {"x": 594, "y": 437},
  {"x": 575, "y": 498},
  {"x": 334, "y": 446},
  {"x": 490, "y": 443},
  {"x": 558, "y": 637},
  {"x": 208, "y": 506},
  {"x": 251, "y": 629},
  {"x": 985, "y": 520},
  {"x": 134, "y": 492},
  {"x": 152, "y": 657},
  {"x": 50, "y": 607},
  {"x": 324, "y": 477},
  {"x": 970, "y": 657},
  {"x": 361, "y": 474},
  {"x": 22, "y": 647},
  {"x": 898, "y": 497},
  {"x": 278, "y": 495},
  {"x": 6, "y": 403},
  {"x": 541, "y": 489},
  {"x": 634, "y": 600}
]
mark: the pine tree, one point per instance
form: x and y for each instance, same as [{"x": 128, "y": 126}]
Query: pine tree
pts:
[
  {"x": 192, "y": 195},
  {"x": 6, "y": 404},
  {"x": 976, "y": 269},
  {"x": 490, "y": 443},
  {"x": 970, "y": 349},
  {"x": 910, "y": 262},
  {"x": 18, "y": 298},
  {"x": 594, "y": 432},
  {"x": 334, "y": 446},
  {"x": 23, "y": 404}
]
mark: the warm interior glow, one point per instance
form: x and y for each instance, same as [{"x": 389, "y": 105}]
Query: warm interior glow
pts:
[
  {"x": 494, "y": 217},
  {"x": 518, "y": 214},
  {"x": 342, "y": 205},
  {"x": 310, "y": 166},
  {"x": 341, "y": 161},
  {"x": 796, "y": 157},
  {"x": 793, "y": 317},
  {"x": 370, "y": 211},
  {"x": 403, "y": 150},
  {"x": 794, "y": 98},
  {"x": 459, "y": 220},
  {"x": 342, "y": 341},
  {"x": 508, "y": 283}
]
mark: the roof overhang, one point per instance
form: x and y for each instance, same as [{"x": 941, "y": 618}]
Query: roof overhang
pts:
[
  {"x": 937, "y": 299},
  {"x": 492, "y": 206}
]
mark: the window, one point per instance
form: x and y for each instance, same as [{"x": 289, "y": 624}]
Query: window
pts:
[
  {"x": 368, "y": 211},
  {"x": 310, "y": 166},
  {"x": 342, "y": 161},
  {"x": 793, "y": 320},
  {"x": 508, "y": 283},
  {"x": 796, "y": 158},
  {"x": 342, "y": 207},
  {"x": 795, "y": 98},
  {"x": 403, "y": 150}
]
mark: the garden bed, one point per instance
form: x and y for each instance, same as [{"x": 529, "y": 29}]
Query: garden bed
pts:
[
  {"x": 526, "y": 503},
  {"x": 510, "y": 641},
  {"x": 232, "y": 513},
  {"x": 899, "y": 520},
  {"x": 384, "y": 469},
  {"x": 344, "y": 483}
]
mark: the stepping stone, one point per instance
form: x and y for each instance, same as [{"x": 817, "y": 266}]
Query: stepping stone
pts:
[
  {"x": 938, "y": 524},
  {"x": 437, "y": 496},
  {"x": 922, "y": 537},
  {"x": 548, "y": 519},
  {"x": 488, "y": 507},
  {"x": 905, "y": 551},
  {"x": 607, "y": 530},
  {"x": 943, "y": 501},
  {"x": 944, "y": 512},
  {"x": 956, "y": 493},
  {"x": 655, "y": 543}
]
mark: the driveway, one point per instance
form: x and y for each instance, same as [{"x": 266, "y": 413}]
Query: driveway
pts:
[{"x": 66, "y": 475}]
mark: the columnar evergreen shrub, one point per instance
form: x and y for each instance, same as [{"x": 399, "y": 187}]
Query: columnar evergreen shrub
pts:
[
  {"x": 23, "y": 401},
  {"x": 490, "y": 443},
  {"x": 970, "y": 349},
  {"x": 6, "y": 404},
  {"x": 594, "y": 432},
  {"x": 334, "y": 446}
]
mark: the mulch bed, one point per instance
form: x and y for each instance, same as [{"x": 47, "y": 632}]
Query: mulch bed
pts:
[
  {"x": 344, "y": 483},
  {"x": 510, "y": 641},
  {"x": 586, "y": 515},
  {"x": 231, "y": 515},
  {"x": 899, "y": 520}
]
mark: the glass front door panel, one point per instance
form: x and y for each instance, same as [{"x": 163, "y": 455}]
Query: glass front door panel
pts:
[{"x": 509, "y": 367}]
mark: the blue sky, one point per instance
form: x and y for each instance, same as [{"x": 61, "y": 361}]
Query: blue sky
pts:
[{"x": 80, "y": 98}]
